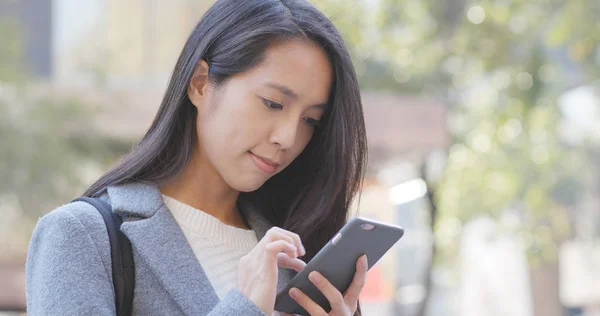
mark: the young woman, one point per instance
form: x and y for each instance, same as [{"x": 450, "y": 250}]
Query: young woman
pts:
[{"x": 251, "y": 163}]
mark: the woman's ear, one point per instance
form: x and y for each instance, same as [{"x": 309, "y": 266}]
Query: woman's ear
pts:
[{"x": 198, "y": 84}]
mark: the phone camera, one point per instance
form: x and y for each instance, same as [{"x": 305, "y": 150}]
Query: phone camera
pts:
[{"x": 367, "y": 226}]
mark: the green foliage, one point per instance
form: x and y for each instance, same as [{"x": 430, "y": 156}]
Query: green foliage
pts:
[
  {"x": 500, "y": 66},
  {"x": 46, "y": 147}
]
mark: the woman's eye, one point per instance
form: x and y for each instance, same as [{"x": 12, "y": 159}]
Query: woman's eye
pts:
[
  {"x": 311, "y": 122},
  {"x": 272, "y": 105}
]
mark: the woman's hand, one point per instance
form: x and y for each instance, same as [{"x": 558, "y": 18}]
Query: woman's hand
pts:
[
  {"x": 258, "y": 270},
  {"x": 341, "y": 305}
]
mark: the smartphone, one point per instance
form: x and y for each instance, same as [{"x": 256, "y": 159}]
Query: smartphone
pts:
[{"x": 336, "y": 261}]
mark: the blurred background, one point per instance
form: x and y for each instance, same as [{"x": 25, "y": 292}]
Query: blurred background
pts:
[{"x": 483, "y": 122}]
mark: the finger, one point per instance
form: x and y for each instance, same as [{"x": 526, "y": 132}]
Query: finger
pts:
[
  {"x": 282, "y": 246},
  {"x": 295, "y": 237},
  {"x": 286, "y": 262},
  {"x": 333, "y": 295},
  {"x": 297, "y": 241},
  {"x": 276, "y": 234},
  {"x": 309, "y": 305},
  {"x": 358, "y": 282}
]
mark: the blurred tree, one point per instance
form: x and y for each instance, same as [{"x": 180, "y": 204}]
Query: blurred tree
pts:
[{"x": 501, "y": 66}]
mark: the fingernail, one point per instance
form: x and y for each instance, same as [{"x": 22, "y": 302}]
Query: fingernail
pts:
[
  {"x": 365, "y": 261},
  {"x": 293, "y": 292},
  {"x": 314, "y": 277},
  {"x": 302, "y": 249}
]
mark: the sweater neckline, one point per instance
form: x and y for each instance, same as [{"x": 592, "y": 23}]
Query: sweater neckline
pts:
[{"x": 207, "y": 226}]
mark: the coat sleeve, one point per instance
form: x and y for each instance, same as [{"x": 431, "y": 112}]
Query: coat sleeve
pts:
[
  {"x": 65, "y": 273},
  {"x": 235, "y": 303}
]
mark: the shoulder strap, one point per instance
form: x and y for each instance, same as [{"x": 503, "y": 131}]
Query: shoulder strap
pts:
[{"x": 123, "y": 268}]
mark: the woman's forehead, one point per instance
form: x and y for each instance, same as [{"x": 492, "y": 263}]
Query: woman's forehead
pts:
[{"x": 298, "y": 69}]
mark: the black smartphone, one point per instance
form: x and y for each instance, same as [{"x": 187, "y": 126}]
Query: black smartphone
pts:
[{"x": 336, "y": 261}]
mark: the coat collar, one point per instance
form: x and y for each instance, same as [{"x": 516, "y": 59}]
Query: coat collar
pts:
[{"x": 157, "y": 240}]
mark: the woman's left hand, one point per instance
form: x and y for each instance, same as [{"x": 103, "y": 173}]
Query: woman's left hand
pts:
[{"x": 341, "y": 305}]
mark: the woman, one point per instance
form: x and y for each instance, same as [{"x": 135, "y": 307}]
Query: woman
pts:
[{"x": 252, "y": 162}]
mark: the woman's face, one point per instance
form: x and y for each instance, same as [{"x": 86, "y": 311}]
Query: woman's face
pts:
[{"x": 255, "y": 124}]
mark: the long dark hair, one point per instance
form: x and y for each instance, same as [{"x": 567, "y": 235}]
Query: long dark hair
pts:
[{"x": 313, "y": 194}]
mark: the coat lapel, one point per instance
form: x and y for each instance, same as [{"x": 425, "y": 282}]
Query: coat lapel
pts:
[{"x": 157, "y": 240}]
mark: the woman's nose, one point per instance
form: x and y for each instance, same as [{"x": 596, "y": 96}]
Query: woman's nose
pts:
[{"x": 285, "y": 135}]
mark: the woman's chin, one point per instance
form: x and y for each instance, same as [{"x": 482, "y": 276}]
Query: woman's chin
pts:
[{"x": 248, "y": 185}]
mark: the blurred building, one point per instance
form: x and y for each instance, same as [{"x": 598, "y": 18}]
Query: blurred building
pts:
[
  {"x": 33, "y": 20},
  {"x": 128, "y": 44},
  {"x": 403, "y": 131}
]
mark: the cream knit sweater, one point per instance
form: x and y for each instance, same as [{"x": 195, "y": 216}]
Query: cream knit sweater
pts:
[{"x": 217, "y": 246}]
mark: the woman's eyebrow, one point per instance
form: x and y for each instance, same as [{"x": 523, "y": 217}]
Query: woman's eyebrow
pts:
[
  {"x": 290, "y": 93},
  {"x": 283, "y": 89}
]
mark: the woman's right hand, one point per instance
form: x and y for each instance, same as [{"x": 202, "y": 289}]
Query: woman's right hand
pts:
[{"x": 258, "y": 270}]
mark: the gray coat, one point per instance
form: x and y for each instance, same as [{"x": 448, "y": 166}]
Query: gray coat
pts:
[{"x": 69, "y": 266}]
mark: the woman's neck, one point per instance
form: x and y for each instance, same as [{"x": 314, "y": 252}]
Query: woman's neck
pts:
[{"x": 200, "y": 186}]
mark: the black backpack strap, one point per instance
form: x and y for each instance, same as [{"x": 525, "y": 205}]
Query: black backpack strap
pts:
[{"x": 123, "y": 268}]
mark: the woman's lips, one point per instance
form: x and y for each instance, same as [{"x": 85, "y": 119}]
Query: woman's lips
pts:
[{"x": 263, "y": 164}]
